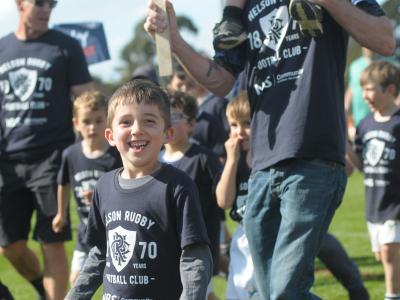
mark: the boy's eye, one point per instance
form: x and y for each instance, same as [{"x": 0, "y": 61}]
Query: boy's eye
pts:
[
  {"x": 149, "y": 121},
  {"x": 124, "y": 122}
]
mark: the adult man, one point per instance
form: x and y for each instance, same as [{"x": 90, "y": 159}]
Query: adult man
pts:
[
  {"x": 296, "y": 87},
  {"x": 39, "y": 70}
]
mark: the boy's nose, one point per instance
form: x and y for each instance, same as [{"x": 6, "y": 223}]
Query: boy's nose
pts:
[{"x": 135, "y": 128}]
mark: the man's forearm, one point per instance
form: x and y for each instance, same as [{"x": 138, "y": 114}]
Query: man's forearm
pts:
[
  {"x": 375, "y": 33},
  {"x": 205, "y": 71}
]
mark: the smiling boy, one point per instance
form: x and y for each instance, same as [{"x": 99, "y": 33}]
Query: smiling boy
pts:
[{"x": 154, "y": 234}]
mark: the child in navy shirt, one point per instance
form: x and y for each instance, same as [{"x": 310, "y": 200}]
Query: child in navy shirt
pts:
[
  {"x": 146, "y": 217},
  {"x": 377, "y": 149},
  {"x": 200, "y": 163},
  {"x": 82, "y": 165}
]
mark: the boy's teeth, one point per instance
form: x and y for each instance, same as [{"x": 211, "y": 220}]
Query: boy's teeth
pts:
[{"x": 138, "y": 145}]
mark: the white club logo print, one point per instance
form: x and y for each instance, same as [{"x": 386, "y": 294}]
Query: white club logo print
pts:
[
  {"x": 121, "y": 244},
  {"x": 374, "y": 151},
  {"x": 23, "y": 82},
  {"x": 275, "y": 25}
]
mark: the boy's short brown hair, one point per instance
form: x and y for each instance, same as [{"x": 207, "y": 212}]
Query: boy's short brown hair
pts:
[
  {"x": 184, "y": 102},
  {"x": 94, "y": 100},
  {"x": 382, "y": 73},
  {"x": 138, "y": 91},
  {"x": 239, "y": 107}
]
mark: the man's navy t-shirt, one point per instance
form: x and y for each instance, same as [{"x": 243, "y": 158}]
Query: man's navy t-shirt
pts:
[
  {"x": 144, "y": 231},
  {"x": 35, "y": 79},
  {"x": 295, "y": 85}
]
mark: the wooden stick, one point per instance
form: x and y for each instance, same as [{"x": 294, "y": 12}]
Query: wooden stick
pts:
[{"x": 163, "y": 46}]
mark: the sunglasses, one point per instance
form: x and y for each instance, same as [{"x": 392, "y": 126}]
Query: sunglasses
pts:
[
  {"x": 41, "y": 3},
  {"x": 176, "y": 117}
]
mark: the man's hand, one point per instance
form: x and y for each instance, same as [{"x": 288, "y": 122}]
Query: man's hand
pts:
[{"x": 156, "y": 22}]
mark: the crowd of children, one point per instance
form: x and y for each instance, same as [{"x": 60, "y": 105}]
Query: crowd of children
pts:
[{"x": 151, "y": 181}]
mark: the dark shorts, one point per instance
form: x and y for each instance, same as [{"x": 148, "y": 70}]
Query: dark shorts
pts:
[{"x": 26, "y": 187}]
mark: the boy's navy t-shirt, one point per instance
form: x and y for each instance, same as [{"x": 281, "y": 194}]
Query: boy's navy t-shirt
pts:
[
  {"x": 82, "y": 173},
  {"x": 202, "y": 165},
  {"x": 379, "y": 144},
  {"x": 36, "y": 77},
  {"x": 242, "y": 178},
  {"x": 144, "y": 231},
  {"x": 295, "y": 84}
]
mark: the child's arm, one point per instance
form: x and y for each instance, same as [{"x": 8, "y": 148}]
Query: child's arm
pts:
[
  {"x": 353, "y": 157},
  {"x": 196, "y": 271},
  {"x": 226, "y": 187},
  {"x": 90, "y": 277},
  {"x": 63, "y": 195}
]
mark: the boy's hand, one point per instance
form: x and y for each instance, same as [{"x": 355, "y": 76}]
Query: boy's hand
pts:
[
  {"x": 232, "y": 147},
  {"x": 58, "y": 223},
  {"x": 87, "y": 197}
]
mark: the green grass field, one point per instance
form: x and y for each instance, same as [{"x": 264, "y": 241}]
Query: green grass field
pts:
[{"x": 348, "y": 225}]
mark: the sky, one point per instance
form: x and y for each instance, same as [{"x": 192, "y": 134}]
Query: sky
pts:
[{"x": 119, "y": 18}]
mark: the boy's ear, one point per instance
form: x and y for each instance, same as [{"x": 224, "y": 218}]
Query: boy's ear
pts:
[
  {"x": 191, "y": 124},
  {"x": 109, "y": 137},
  {"x": 391, "y": 88},
  {"x": 168, "y": 134},
  {"x": 75, "y": 123}
]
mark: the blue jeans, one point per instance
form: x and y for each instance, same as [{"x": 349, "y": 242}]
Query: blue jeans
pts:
[{"x": 289, "y": 209}]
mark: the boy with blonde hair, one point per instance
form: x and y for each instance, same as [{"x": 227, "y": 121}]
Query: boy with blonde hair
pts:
[
  {"x": 82, "y": 165},
  {"x": 377, "y": 154},
  {"x": 146, "y": 217},
  {"x": 232, "y": 194}
]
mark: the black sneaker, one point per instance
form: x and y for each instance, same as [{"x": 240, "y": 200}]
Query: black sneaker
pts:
[
  {"x": 228, "y": 34},
  {"x": 308, "y": 16}
]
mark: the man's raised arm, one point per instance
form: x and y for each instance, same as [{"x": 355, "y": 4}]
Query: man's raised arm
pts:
[{"x": 205, "y": 71}]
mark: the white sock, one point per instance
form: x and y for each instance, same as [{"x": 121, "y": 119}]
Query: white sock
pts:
[{"x": 390, "y": 296}]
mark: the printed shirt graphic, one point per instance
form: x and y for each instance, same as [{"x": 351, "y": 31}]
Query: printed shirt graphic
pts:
[
  {"x": 82, "y": 174},
  {"x": 242, "y": 178},
  {"x": 379, "y": 143},
  {"x": 144, "y": 231},
  {"x": 35, "y": 81},
  {"x": 295, "y": 86},
  {"x": 122, "y": 243}
]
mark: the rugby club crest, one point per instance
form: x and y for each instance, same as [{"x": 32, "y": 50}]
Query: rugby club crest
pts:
[
  {"x": 23, "y": 82},
  {"x": 121, "y": 244},
  {"x": 374, "y": 151},
  {"x": 275, "y": 25}
]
